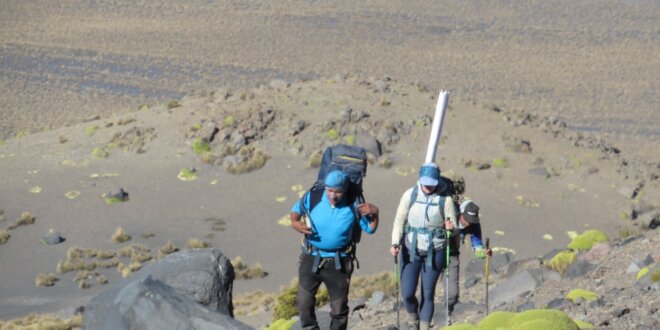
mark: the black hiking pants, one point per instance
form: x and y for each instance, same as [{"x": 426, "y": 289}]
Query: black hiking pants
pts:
[{"x": 336, "y": 280}]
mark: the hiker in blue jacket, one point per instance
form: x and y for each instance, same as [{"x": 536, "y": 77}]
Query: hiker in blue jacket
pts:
[
  {"x": 419, "y": 239},
  {"x": 328, "y": 247},
  {"x": 468, "y": 224}
]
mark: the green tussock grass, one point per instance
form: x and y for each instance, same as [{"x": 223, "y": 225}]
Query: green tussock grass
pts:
[
  {"x": 200, "y": 146},
  {"x": 349, "y": 140},
  {"x": 187, "y": 174},
  {"x": 538, "y": 319},
  {"x": 576, "y": 294},
  {"x": 281, "y": 324},
  {"x": 641, "y": 273},
  {"x": 91, "y": 130},
  {"x": 332, "y": 134},
  {"x": 587, "y": 239},
  {"x": 500, "y": 162},
  {"x": 560, "y": 262},
  {"x": 21, "y": 133},
  {"x": 196, "y": 127},
  {"x": 99, "y": 152},
  {"x": 229, "y": 120},
  {"x": 655, "y": 277},
  {"x": 285, "y": 306}
]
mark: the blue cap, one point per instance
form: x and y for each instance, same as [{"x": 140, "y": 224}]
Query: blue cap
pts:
[
  {"x": 429, "y": 174},
  {"x": 336, "y": 180}
]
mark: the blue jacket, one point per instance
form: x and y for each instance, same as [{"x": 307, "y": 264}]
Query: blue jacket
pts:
[
  {"x": 474, "y": 230},
  {"x": 331, "y": 226}
]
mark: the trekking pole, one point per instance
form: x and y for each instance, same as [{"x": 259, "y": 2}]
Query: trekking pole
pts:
[
  {"x": 447, "y": 287},
  {"x": 396, "y": 283},
  {"x": 487, "y": 270}
]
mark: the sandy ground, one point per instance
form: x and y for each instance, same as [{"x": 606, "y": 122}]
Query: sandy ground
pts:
[
  {"x": 592, "y": 64},
  {"x": 520, "y": 208}
]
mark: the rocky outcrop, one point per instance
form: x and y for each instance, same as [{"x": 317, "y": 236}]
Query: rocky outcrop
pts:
[{"x": 185, "y": 290}]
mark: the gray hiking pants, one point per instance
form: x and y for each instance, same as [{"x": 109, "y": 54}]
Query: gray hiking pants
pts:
[{"x": 454, "y": 268}]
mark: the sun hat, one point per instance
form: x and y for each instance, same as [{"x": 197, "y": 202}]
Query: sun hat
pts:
[
  {"x": 336, "y": 180},
  {"x": 429, "y": 174},
  {"x": 470, "y": 211}
]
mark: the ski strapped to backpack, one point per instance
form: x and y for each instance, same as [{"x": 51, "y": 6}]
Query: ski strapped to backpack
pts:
[
  {"x": 352, "y": 161},
  {"x": 430, "y": 233}
]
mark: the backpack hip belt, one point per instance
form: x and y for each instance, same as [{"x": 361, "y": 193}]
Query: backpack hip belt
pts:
[
  {"x": 315, "y": 252},
  {"x": 430, "y": 233}
]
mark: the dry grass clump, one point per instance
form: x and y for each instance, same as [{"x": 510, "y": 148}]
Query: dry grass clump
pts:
[
  {"x": 126, "y": 270},
  {"x": 74, "y": 252},
  {"x": 46, "y": 279},
  {"x": 84, "y": 285},
  {"x": 252, "y": 159},
  {"x": 315, "y": 159},
  {"x": 74, "y": 261},
  {"x": 137, "y": 252},
  {"x": 101, "y": 279},
  {"x": 218, "y": 224},
  {"x": 106, "y": 254},
  {"x": 109, "y": 263},
  {"x": 167, "y": 249},
  {"x": 43, "y": 321},
  {"x": 90, "y": 253},
  {"x": 26, "y": 219},
  {"x": 242, "y": 271},
  {"x": 120, "y": 236},
  {"x": 82, "y": 275},
  {"x": 4, "y": 236},
  {"x": 194, "y": 243},
  {"x": 254, "y": 302},
  {"x": 364, "y": 286}
]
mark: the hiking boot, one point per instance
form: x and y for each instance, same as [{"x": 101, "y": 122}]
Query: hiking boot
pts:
[
  {"x": 412, "y": 321},
  {"x": 424, "y": 325}
]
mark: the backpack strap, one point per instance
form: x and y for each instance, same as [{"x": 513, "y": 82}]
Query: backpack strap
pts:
[{"x": 428, "y": 232}]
